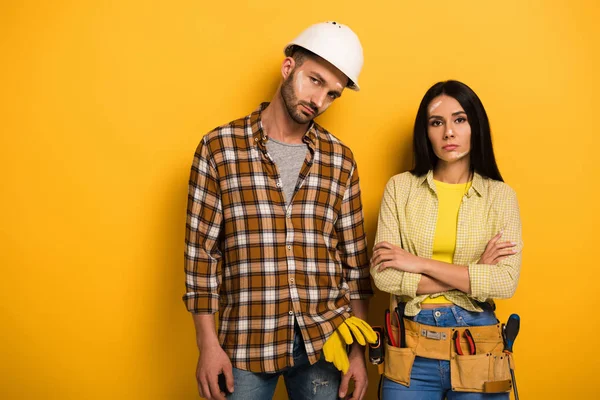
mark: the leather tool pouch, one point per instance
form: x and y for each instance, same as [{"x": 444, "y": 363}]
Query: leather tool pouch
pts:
[{"x": 485, "y": 372}]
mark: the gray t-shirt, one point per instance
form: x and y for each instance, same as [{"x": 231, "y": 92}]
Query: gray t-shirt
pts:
[{"x": 289, "y": 159}]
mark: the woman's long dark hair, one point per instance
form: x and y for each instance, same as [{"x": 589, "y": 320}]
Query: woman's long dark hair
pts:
[{"x": 482, "y": 153}]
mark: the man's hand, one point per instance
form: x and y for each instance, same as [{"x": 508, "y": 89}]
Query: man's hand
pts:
[
  {"x": 212, "y": 362},
  {"x": 357, "y": 372},
  {"x": 496, "y": 251},
  {"x": 387, "y": 255}
]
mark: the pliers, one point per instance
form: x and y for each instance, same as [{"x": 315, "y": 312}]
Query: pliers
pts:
[
  {"x": 388, "y": 328},
  {"x": 470, "y": 341},
  {"x": 398, "y": 316}
]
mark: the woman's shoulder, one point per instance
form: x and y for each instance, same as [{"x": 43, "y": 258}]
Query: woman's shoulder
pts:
[
  {"x": 405, "y": 179},
  {"x": 497, "y": 189},
  {"x": 400, "y": 186}
]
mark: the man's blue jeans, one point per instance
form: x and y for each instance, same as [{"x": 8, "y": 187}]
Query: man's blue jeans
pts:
[
  {"x": 430, "y": 379},
  {"x": 303, "y": 381}
]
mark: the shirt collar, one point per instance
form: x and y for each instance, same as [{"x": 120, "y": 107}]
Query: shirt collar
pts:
[
  {"x": 476, "y": 184},
  {"x": 259, "y": 137}
]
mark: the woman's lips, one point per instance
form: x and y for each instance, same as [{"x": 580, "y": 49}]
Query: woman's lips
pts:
[{"x": 450, "y": 147}]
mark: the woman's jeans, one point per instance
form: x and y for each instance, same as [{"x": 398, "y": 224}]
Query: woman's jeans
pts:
[{"x": 430, "y": 379}]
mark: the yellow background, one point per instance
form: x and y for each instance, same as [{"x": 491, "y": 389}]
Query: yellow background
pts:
[{"x": 102, "y": 106}]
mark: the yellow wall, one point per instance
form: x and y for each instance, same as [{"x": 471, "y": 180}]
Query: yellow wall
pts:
[{"x": 103, "y": 103}]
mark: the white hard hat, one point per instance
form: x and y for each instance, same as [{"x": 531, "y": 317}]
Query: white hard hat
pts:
[{"x": 335, "y": 43}]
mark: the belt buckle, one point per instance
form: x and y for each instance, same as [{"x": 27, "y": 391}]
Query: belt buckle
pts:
[{"x": 433, "y": 335}]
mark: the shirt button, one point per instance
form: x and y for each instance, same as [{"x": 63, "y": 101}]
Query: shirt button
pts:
[
  {"x": 437, "y": 314},
  {"x": 279, "y": 184},
  {"x": 289, "y": 247},
  {"x": 291, "y": 280},
  {"x": 291, "y": 312}
]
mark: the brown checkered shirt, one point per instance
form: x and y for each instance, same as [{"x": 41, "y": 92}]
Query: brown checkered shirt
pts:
[{"x": 263, "y": 265}]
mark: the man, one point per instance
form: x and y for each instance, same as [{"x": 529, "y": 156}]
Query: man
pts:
[{"x": 275, "y": 238}]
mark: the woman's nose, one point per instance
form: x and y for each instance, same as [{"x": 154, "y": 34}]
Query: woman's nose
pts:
[{"x": 449, "y": 133}]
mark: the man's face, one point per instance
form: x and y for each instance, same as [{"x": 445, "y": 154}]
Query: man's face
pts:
[{"x": 310, "y": 88}]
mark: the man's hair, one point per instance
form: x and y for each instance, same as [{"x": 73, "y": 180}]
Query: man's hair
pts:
[{"x": 300, "y": 54}]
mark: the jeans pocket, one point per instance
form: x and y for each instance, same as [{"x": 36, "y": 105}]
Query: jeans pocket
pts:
[{"x": 398, "y": 364}]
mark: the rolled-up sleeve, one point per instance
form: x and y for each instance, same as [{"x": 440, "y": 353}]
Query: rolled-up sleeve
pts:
[
  {"x": 352, "y": 240},
  {"x": 500, "y": 281},
  {"x": 388, "y": 230},
  {"x": 203, "y": 227}
]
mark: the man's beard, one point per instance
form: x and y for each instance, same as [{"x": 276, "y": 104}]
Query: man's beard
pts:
[{"x": 291, "y": 102}]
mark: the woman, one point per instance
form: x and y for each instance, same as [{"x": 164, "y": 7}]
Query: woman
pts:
[{"x": 448, "y": 242}]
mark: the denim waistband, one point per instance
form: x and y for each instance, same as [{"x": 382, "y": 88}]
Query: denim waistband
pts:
[{"x": 456, "y": 316}]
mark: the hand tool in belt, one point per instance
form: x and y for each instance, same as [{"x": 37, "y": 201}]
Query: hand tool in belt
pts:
[
  {"x": 509, "y": 334},
  {"x": 388, "y": 328},
  {"x": 401, "y": 330},
  {"x": 470, "y": 341}
]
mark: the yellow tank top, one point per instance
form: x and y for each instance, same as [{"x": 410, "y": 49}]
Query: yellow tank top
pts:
[{"x": 450, "y": 196}]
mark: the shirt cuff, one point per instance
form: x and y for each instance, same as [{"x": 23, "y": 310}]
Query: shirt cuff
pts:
[
  {"x": 480, "y": 283},
  {"x": 201, "y": 303},
  {"x": 360, "y": 289},
  {"x": 410, "y": 283}
]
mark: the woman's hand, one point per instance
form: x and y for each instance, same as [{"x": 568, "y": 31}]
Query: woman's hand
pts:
[
  {"x": 387, "y": 255},
  {"x": 496, "y": 251}
]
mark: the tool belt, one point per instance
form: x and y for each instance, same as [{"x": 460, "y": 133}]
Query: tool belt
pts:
[{"x": 487, "y": 371}]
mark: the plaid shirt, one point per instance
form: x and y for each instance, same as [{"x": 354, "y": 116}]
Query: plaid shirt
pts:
[
  {"x": 263, "y": 265},
  {"x": 408, "y": 216}
]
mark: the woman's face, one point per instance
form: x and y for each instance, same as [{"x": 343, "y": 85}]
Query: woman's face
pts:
[{"x": 448, "y": 129}]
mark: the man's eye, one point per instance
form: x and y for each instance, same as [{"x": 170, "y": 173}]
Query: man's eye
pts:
[{"x": 315, "y": 81}]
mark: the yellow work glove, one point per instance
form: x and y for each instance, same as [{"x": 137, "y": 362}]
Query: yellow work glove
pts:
[
  {"x": 361, "y": 330},
  {"x": 334, "y": 348}
]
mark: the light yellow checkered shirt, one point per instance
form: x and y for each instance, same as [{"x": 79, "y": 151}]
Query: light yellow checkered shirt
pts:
[{"x": 408, "y": 216}]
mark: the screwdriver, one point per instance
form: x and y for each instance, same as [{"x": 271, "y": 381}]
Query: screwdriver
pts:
[{"x": 509, "y": 333}]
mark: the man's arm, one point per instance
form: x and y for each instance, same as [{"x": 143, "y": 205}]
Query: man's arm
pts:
[
  {"x": 352, "y": 247},
  {"x": 203, "y": 271},
  {"x": 203, "y": 228},
  {"x": 352, "y": 241},
  {"x": 212, "y": 360}
]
